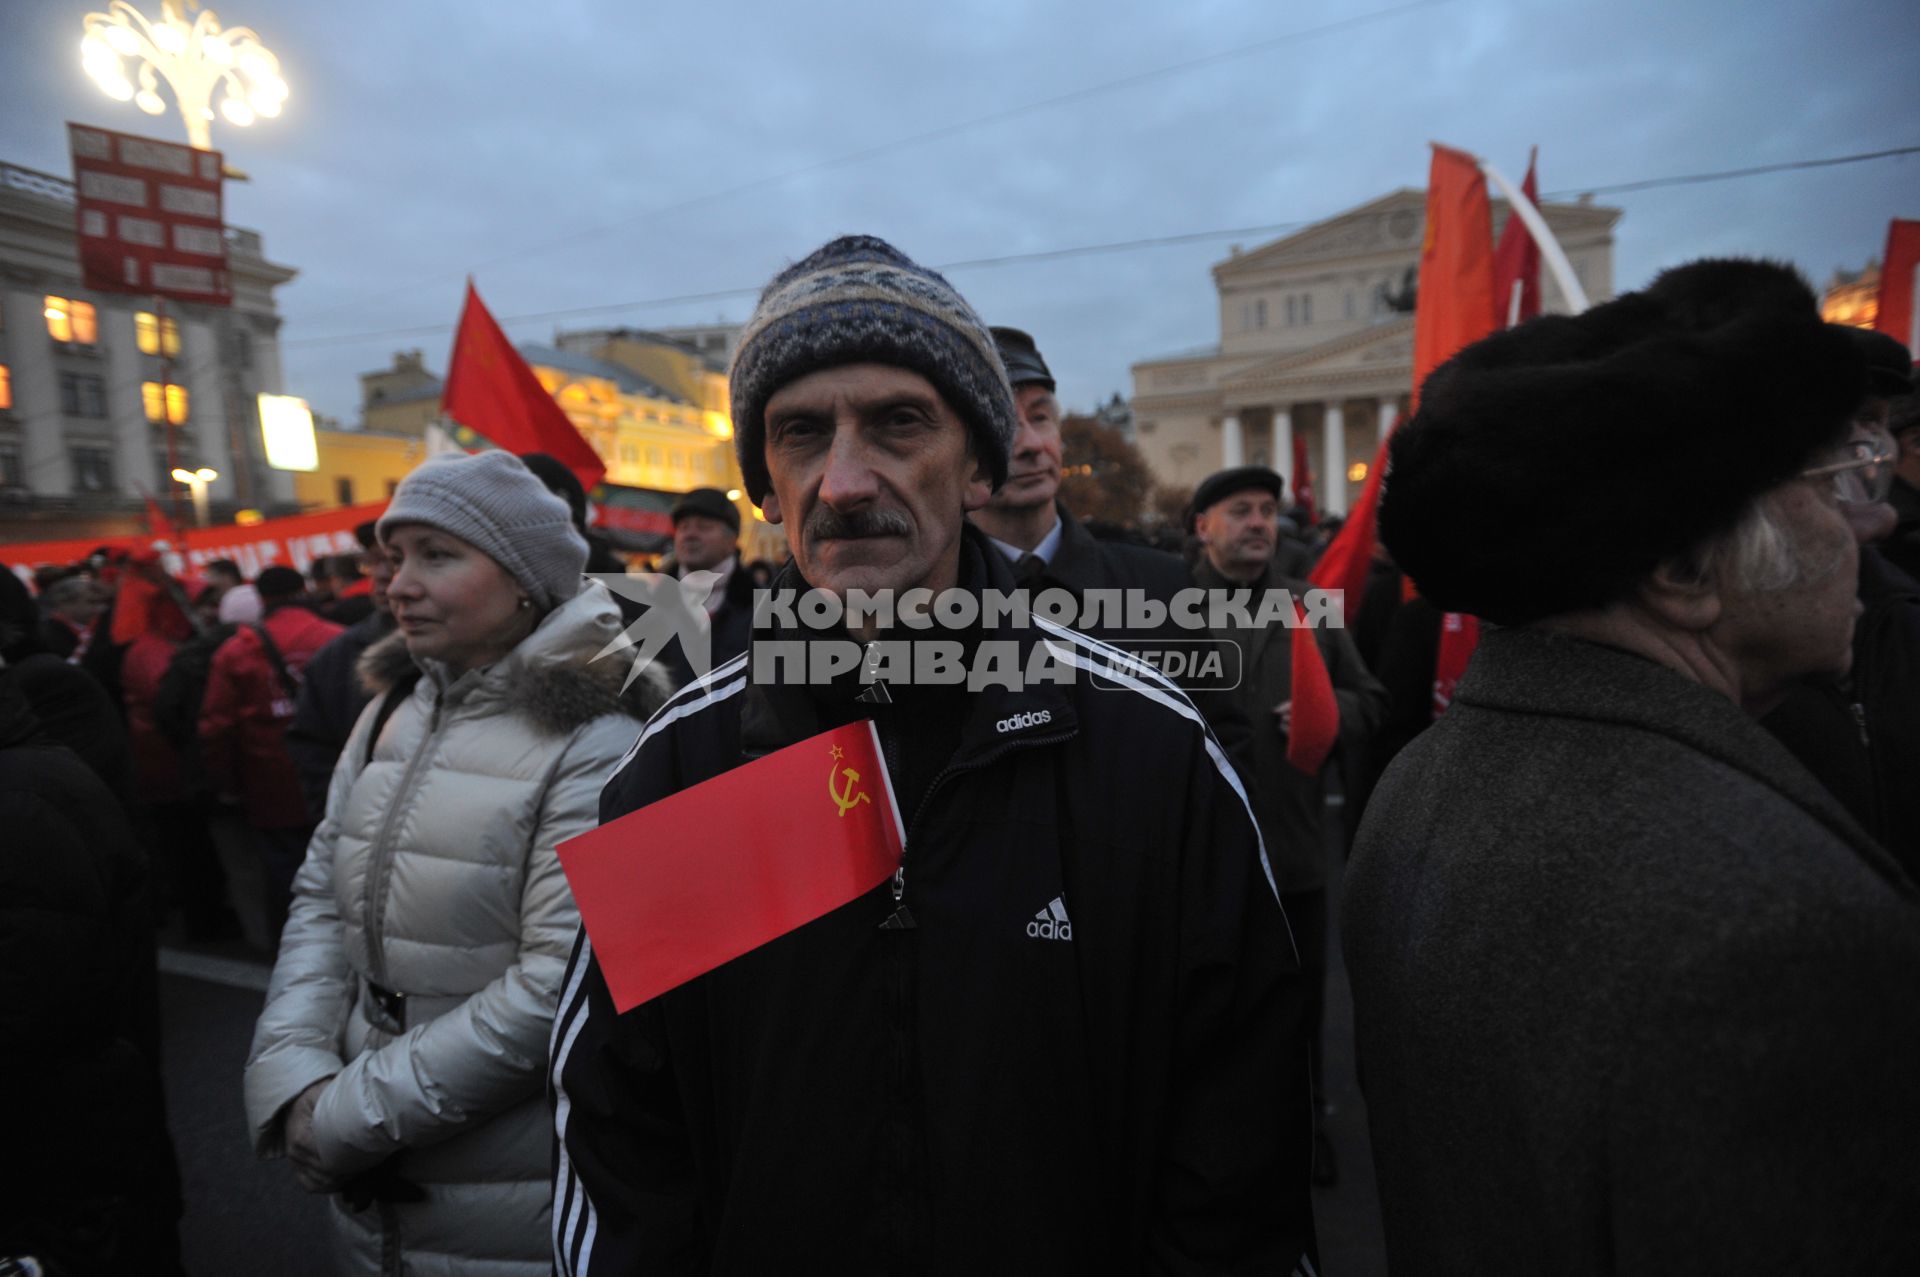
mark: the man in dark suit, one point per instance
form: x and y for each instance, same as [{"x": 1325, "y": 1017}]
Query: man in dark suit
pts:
[{"x": 1050, "y": 549}]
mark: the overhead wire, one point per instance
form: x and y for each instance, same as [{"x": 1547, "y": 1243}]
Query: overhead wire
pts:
[
  {"x": 1114, "y": 246},
  {"x": 914, "y": 139}
]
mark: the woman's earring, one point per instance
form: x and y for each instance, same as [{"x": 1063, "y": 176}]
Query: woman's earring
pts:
[{"x": 525, "y": 604}]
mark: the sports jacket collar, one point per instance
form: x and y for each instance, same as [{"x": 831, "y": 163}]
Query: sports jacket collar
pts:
[{"x": 773, "y": 716}]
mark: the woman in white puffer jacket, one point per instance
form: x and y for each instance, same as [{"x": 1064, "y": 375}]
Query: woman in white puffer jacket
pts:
[{"x": 399, "y": 1060}]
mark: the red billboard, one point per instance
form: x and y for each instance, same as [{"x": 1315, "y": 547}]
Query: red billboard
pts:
[{"x": 149, "y": 217}]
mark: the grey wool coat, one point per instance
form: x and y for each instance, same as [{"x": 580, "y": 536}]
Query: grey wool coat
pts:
[
  {"x": 1632, "y": 993},
  {"x": 434, "y": 875}
]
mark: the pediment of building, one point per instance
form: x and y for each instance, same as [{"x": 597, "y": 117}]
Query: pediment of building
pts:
[
  {"x": 1388, "y": 224},
  {"x": 1382, "y": 348},
  {"x": 1391, "y": 224}
]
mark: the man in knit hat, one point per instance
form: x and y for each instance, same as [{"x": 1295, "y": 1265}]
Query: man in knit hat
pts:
[
  {"x": 1067, "y": 1035},
  {"x": 1632, "y": 991}
]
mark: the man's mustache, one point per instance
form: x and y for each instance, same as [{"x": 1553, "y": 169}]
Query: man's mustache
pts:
[{"x": 828, "y": 524}]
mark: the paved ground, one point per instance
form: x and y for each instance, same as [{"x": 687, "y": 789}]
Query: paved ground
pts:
[
  {"x": 249, "y": 1217},
  {"x": 243, "y": 1216}
]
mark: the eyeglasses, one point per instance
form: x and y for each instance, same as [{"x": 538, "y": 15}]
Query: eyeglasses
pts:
[{"x": 1862, "y": 472}]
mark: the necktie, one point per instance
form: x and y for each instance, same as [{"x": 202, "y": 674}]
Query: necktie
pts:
[{"x": 1029, "y": 569}]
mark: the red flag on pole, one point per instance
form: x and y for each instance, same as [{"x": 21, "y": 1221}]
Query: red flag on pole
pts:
[
  {"x": 1896, "y": 311},
  {"x": 1303, "y": 493},
  {"x": 1455, "y": 306},
  {"x": 1348, "y": 558},
  {"x": 671, "y": 891},
  {"x": 1516, "y": 262},
  {"x": 491, "y": 391},
  {"x": 1454, "y": 309},
  {"x": 158, "y": 524},
  {"x": 1315, "y": 725}
]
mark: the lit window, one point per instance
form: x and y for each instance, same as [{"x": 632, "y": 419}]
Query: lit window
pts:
[
  {"x": 155, "y": 334},
  {"x": 173, "y": 395},
  {"x": 71, "y": 321},
  {"x": 6, "y": 388}
]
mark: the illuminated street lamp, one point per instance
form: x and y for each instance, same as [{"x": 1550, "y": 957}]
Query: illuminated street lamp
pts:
[
  {"x": 195, "y": 58},
  {"x": 198, "y": 481}
]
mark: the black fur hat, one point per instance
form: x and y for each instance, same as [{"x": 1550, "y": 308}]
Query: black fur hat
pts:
[{"x": 1552, "y": 466}]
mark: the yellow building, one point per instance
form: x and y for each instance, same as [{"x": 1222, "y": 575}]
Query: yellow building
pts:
[
  {"x": 655, "y": 410},
  {"x": 648, "y": 436},
  {"x": 357, "y": 466},
  {"x": 403, "y": 399},
  {"x": 1853, "y": 297}
]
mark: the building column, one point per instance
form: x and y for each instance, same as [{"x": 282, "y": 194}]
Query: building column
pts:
[
  {"x": 1233, "y": 449},
  {"x": 1333, "y": 489},
  {"x": 1283, "y": 449},
  {"x": 1388, "y": 411}
]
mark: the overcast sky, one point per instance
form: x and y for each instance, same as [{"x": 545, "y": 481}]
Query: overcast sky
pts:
[{"x": 574, "y": 154}]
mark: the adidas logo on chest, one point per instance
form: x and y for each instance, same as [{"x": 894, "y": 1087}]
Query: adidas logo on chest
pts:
[{"x": 1051, "y": 922}]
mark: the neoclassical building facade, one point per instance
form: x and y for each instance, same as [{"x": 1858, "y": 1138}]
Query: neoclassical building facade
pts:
[{"x": 1316, "y": 342}]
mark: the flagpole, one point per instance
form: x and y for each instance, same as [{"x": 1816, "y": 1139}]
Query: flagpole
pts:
[{"x": 1550, "y": 249}]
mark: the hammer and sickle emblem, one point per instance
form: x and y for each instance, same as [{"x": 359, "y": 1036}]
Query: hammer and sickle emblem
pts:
[{"x": 845, "y": 798}]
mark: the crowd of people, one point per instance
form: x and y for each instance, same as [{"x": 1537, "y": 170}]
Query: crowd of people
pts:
[{"x": 1626, "y": 725}]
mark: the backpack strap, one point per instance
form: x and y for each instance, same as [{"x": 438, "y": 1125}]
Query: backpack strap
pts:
[
  {"x": 388, "y": 703},
  {"x": 287, "y": 681}
]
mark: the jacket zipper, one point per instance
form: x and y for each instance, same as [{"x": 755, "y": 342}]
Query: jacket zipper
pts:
[
  {"x": 382, "y": 852},
  {"x": 941, "y": 778}
]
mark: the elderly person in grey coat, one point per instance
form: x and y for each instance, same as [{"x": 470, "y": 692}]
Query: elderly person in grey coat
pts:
[
  {"x": 1633, "y": 993},
  {"x": 398, "y": 1061}
]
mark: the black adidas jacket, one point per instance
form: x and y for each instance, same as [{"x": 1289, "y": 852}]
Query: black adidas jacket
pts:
[{"x": 1085, "y": 1056}]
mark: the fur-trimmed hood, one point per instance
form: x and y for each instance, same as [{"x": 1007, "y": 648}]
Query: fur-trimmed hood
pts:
[{"x": 552, "y": 678}]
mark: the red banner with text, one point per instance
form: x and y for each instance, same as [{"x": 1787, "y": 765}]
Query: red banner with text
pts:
[{"x": 295, "y": 541}]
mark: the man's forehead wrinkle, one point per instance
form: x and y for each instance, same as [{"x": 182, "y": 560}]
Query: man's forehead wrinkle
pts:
[{"x": 825, "y": 402}]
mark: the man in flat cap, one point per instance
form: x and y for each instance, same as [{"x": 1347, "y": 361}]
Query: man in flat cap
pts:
[
  {"x": 1049, "y": 549},
  {"x": 1236, "y": 515},
  {"x": 706, "y": 538},
  {"x": 1633, "y": 993},
  {"x": 1066, "y": 1036}
]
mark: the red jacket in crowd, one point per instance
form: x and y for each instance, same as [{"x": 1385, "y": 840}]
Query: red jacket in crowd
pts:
[{"x": 243, "y": 721}]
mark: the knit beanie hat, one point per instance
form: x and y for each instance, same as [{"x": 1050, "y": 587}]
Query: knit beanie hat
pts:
[
  {"x": 1552, "y": 466},
  {"x": 861, "y": 300},
  {"x": 495, "y": 504}
]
